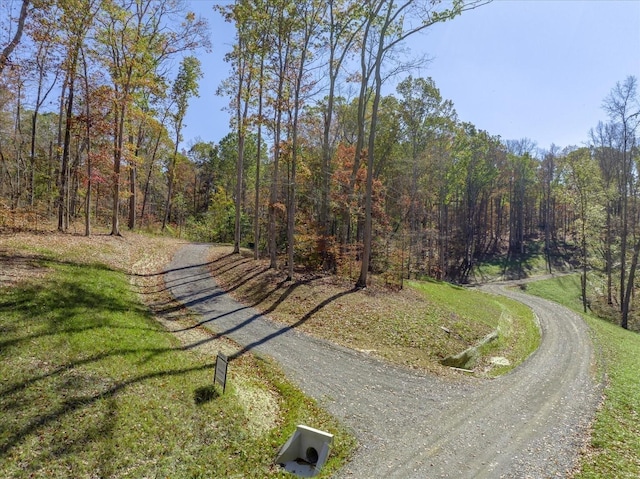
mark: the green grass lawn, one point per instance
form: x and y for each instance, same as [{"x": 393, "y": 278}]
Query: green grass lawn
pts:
[
  {"x": 92, "y": 386},
  {"x": 615, "y": 443}
]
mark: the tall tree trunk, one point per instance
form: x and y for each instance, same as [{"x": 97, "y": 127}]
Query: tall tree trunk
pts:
[
  {"x": 32, "y": 156},
  {"x": 171, "y": 180},
  {"x": 40, "y": 98},
  {"x": 172, "y": 172},
  {"x": 18, "y": 144},
  {"x": 56, "y": 156},
  {"x": 368, "y": 226},
  {"x": 368, "y": 206},
  {"x": 242, "y": 112},
  {"x": 117, "y": 161},
  {"x": 626, "y": 304},
  {"x": 273, "y": 196},
  {"x": 133, "y": 197},
  {"x": 147, "y": 182},
  {"x": 583, "y": 277},
  {"x": 239, "y": 171},
  {"x": 256, "y": 212},
  {"x": 623, "y": 250},
  {"x": 64, "y": 168},
  {"x": 291, "y": 214},
  {"x": 609, "y": 257},
  {"x": 87, "y": 212}
]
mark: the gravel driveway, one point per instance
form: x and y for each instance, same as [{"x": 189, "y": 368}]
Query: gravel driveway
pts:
[{"x": 530, "y": 423}]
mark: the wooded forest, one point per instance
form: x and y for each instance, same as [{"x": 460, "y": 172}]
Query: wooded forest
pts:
[{"x": 323, "y": 168}]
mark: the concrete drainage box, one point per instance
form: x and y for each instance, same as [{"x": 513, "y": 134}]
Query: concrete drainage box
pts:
[{"x": 305, "y": 452}]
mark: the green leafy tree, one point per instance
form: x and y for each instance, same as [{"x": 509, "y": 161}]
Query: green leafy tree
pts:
[
  {"x": 585, "y": 192},
  {"x": 137, "y": 37},
  {"x": 206, "y": 159},
  {"x": 388, "y": 25},
  {"x": 424, "y": 117},
  {"x": 522, "y": 166},
  {"x": 184, "y": 87},
  {"x": 602, "y": 143}
]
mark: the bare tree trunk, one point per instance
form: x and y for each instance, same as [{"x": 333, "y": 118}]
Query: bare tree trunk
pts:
[
  {"x": 18, "y": 145},
  {"x": 583, "y": 277},
  {"x": 167, "y": 207},
  {"x": 239, "y": 168},
  {"x": 256, "y": 213},
  {"x": 273, "y": 197},
  {"x": 243, "y": 66},
  {"x": 608, "y": 258},
  {"x": 147, "y": 182},
  {"x": 32, "y": 156},
  {"x": 40, "y": 98},
  {"x": 87, "y": 212},
  {"x": 368, "y": 226}
]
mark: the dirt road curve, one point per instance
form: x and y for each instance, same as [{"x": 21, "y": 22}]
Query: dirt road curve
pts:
[{"x": 530, "y": 423}]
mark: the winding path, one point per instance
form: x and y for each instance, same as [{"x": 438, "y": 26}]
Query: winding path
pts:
[{"x": 530, "y": 423}]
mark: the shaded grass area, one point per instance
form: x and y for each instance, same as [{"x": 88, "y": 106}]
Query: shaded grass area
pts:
[
  {"x": 92, "y": 386},
  {"x": 414, "y": 327},
  {"x": 615, "y": 442},
  {"x": 532, "y": 262},
  {"x": 514, "y": 268}
]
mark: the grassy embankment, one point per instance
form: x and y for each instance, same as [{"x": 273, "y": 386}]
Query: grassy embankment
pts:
[
  {"x": 414, "y": 327},
  {"x": 615, "y": 443},
  {"x": 92, "y": 386}
]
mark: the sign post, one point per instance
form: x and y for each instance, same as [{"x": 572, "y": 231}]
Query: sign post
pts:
[{"x": 220, "y": 375}]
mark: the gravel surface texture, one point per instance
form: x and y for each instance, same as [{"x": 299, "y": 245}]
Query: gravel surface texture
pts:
[{"x": 530, "y": 423}]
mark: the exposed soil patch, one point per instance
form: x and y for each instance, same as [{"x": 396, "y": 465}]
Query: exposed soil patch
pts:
[{"x": 16, "y": 268}]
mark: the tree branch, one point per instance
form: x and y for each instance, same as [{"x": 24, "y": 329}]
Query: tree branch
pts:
[{"x": 4, "y": 56}]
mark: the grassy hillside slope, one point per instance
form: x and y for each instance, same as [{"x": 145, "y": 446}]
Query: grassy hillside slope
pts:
[{"x": 93, "y": 385}]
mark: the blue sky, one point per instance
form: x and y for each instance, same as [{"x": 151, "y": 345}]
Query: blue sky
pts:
[{"x": 538, "y": 69}]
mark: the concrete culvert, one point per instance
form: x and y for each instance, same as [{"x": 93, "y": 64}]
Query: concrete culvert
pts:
[{"x": 305, "y": 452}]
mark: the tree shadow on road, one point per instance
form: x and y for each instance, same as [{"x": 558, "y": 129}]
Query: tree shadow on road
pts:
[{"x": 285, "y": 329}]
